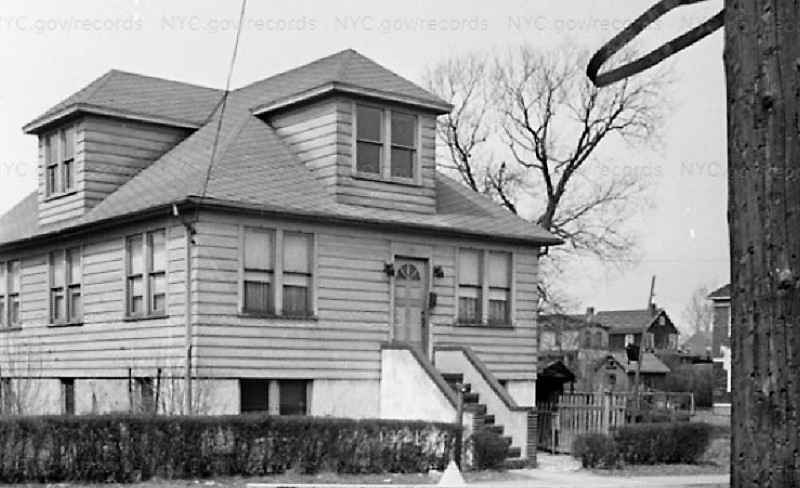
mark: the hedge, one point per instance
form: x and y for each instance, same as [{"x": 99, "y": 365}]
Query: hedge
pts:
[
  {"x": 130, "y": 448},
  {"x": 662, "y": 443},
  {"x": 489, "y": 449},
  {"x": 595, "y": 450}
]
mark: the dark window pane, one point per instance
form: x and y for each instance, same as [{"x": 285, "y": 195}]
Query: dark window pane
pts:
[
  {"x": 13, "y": 312},
  {"x": 2, "y": 311},
  {"x": 158, "y": 292},
  {"x": 403, "y": 130},
  {"x": 368, "y": 122},
  {"x": 136, "y": 295},
  {"x": 498, "y": 311},
  {"x": 469, "y": 309},
  {"x": 59, "y": 305},
  {"x": 293, "y": 397},
  {"x": 402, "y": 163},
  {"x": 368, "y": 157},
  {"x": 295, "y": 300},
  {"x": 75, "y": 304},
  {"x": 147, "y": 395},
  {"x": 257, "y": 297},
  {"x": 69, "y": 175},
  {"x": 254, "y": 395},
  {"x": 68, "y": 391}
]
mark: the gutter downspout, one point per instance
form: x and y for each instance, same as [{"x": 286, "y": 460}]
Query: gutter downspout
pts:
[{"x": 188, "y": 332}]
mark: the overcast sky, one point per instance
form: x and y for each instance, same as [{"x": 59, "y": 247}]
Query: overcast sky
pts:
[{"x": 50, "y": 49}]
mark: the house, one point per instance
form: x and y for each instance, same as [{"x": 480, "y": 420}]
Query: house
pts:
[
  {"x": 289, "y": 248},
  {"x": 721, "y": 347},
  {"x": 626, "y": 327},
  {"x": 618, "y": 373}
]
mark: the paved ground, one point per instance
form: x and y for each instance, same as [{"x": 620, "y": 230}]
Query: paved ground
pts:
[{"x": 565, "y": 472}]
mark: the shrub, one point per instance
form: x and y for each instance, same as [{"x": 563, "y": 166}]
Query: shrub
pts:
[
  {"x": 695, "y": 378},
  {"x": 667, "y": 442},
  {"x": 595, "y": 450},
  {"x": 128, "y": 448},
  {"x": 489, "y": 449}
]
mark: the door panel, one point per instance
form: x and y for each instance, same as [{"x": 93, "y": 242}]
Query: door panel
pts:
[{"x": 410, "y": 293}]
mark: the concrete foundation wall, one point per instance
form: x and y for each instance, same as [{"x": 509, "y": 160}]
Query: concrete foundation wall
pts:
[
  {"x": 100, "y": 396},
  {"x": 346, "y": 398},
  {"x": 523, "y": 392}
]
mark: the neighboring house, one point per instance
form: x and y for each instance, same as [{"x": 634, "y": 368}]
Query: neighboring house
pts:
[
  {"x": 618, "y": 373},
  {"x": 626, "y": 327},
  {"x": 297, "y": 253},
  {"x": 721, "y": 346}
]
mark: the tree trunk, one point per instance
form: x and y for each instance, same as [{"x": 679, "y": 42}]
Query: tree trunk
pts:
[{"x": 762, "y": 64}]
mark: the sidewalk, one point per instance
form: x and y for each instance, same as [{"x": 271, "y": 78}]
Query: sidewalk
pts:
[{"x": 565, "y": 472}]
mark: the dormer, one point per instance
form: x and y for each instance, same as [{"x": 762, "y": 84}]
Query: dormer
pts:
[
  {"x": 104, "y": 135},
  {"x": 366, "y": 133}
]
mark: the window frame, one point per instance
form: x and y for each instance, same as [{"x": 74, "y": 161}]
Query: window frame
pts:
[
  {"x": 485, "y": 288},
  {"x": 60, "y": 170},
  {"x": 146, "y": 275},
  {"x": 274, "y": 389},
  {"x": 10, "y": 295},
  {"x": 68, "y": 287},
  {"x": 68, "y": 396},
  {"x": 387, "y": 143},
  {"x": 278, "y": 280}
]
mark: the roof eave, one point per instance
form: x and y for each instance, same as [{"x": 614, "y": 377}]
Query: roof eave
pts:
[
  {"x": 42, "y": 123},
  {"x": 439, "y": 108}
]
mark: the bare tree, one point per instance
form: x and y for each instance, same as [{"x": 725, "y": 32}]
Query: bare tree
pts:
[
  {"x": 550, "y": 122},
  {"x": 698, "y": 314}
]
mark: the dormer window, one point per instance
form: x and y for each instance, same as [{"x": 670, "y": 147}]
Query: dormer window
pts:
[
  {"x": 386, "y": 144},
  {"x": 59, "y": 153}
]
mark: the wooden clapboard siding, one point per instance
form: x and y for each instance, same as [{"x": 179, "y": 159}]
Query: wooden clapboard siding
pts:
[
  {"x": 108, "y": 153},
  {"x": 314, "y": 134},
  {"x": 419, "y": 197},
  {"x": 105, "y": 345},
  {"x": 115, "y": 150}
]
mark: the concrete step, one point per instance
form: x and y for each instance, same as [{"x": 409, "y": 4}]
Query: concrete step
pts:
[
  {"x": 497, "y": 429},
  {"x": 453, "y": 377},
  {"x": 471, "y": 397},
  {"x": 488, "y": 419},
  {"x": 514, "y": 452},
  {"x": 475, "y": 408}
]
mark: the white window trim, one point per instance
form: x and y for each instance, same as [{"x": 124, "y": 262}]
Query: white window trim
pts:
[
  {"x": 277, "y": 273},
  {"x": 60, "y": 164},
  {"x": 5, "y": 274},
  {"x": 484, "y": 261},
  {"x": 148, "y": 270},
  {"x": 65, "y": 321},
  {"x": 385, "y": 170}
]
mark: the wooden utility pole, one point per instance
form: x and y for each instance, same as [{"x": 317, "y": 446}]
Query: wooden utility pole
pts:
[
  {"x": 762, "y": 71},
  {"x": 762, "y": 68},
  {"x": 637, "y": 385}
]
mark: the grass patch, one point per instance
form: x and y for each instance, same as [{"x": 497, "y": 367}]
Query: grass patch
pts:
[{"x": 663, "y": 470}]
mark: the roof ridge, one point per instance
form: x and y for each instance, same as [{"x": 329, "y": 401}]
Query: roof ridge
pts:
[
  {"x": 291, "y": 70},
  {"x": 161, "y": 78}
]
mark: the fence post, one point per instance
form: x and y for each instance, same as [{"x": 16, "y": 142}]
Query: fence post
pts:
[{"x": 606, "y": 420}]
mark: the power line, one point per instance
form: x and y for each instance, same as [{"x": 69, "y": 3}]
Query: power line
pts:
[{"x": 224, "y": 100}]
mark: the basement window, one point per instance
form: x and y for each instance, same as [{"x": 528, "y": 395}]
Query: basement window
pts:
[{"x": 277, "y": 397}]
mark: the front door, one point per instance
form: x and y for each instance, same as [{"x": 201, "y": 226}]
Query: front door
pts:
[{"x": 410, "y": 301}]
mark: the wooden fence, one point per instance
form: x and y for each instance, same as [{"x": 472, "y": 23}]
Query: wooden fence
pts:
[{"x": 576, "y": 414}]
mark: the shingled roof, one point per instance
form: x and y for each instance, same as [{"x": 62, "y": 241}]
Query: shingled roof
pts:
[
  {"x": 627, "y": 321},
  {"x": 253, "y": 167},
  {"x": 650, "y": 365}
]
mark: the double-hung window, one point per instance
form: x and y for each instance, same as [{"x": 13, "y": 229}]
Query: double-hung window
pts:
[
  {"x": 10, "y": 284},
  {"x": 146, "y": 274},
  {"x": 499, "y": 274},
  {"x": 65, "y": 286},
  {"x": 484, "y": 287},
  {"x": 470, "y": 287},
  {"x": 259, "y": 274},
  {"x": 297, "y": 255},
  {"x": 59, "y": 153},
  {"x": 277, "y": 273},
  {"x": 386, "y": 143}
]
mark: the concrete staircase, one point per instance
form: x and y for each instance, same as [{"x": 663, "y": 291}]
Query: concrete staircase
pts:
[{"x": 482, "y": 419}]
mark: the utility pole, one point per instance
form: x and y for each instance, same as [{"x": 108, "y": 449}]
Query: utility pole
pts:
[
  {"x": 637, "y": 380},
  {"x": 762, "y": 74}
]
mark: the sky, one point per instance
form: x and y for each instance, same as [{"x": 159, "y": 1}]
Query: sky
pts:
[{"x": 50, "y": 49}]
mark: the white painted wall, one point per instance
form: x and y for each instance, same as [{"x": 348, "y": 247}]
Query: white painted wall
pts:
[
  {"x": 346, "y": 398},
  {"x": 523, "y": 392},
  {"x": 407, "y": 392}
]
